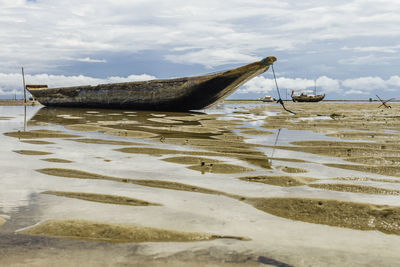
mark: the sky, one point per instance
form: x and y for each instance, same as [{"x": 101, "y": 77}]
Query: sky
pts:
[{"x": 350, "y": 48}]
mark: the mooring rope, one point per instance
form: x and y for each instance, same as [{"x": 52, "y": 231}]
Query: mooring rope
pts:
[
  {"x": 276, "y": 141},
  {"x": 280, "y": 101}
]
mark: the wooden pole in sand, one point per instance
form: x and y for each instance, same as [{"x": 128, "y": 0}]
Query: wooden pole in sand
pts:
[{"x": 23, "y": 82}]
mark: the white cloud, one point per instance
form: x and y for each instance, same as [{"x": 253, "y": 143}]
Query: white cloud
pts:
[
  {"x": 88, "y": 59},
  {"x": 370, "y": 59},
  {"x": 41, "y": 32},
  {"x": 394, "y": 81},
  {"x": 264, "y": 85},
  {"x": 356, "y": 92},
  {"x": 362, "y": 85},
  {"x": 219, "y": 57},
  {"x": 365, "y": 84},
  {"x": 380, "y": 49}
]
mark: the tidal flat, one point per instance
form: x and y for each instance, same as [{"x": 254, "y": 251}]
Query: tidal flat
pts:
[{"x": 240, "y": 184}]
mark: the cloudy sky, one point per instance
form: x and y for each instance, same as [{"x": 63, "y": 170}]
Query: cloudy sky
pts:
[{"x": 350, "y": 47}]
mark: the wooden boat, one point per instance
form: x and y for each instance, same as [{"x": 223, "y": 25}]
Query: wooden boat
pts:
[
  {"x": 304, "y": 97},
  {"x": 179, "y": 94}
]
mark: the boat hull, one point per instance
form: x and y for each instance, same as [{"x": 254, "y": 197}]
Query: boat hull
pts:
[{"x": 180, "y": 94}]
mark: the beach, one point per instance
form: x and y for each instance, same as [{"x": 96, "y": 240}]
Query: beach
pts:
[{"x": 241, "y": 183}]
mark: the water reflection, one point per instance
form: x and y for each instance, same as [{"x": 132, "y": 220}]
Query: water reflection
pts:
[{"x": 174, "y": 160}]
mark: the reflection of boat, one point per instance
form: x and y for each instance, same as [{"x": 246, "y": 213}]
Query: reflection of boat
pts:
[
  {"x": 267, "y": 98},
  {"x": 180, "y": 94}
]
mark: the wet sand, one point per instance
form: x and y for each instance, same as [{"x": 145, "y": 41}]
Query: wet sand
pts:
[
  {"x": 94, "y": 231},
  {"x": 279, "y": 180},
  {"x": 249, "y": 180},
  {"x": 118, "y": 200},
  {"x": 336, "y": 213},
  {"x": 57, "y": 160}
]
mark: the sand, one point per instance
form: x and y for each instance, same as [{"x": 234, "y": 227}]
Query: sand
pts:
[
  {"x": 71, "y": 173},
  {"x": 392, "y": 170},
  {"x": 367, "y": 179},
  {"x": 104, "y": 142},
  {"x": 357, "y": 189},
  {"x": 279, "y": 180},
  {"x": 57, "y": 160},
  {"x": 32, "y": 152},
  {"x": 356, "y": 133},
  {"x": 334, "y": 212},
  {"x": 292, "y": 169},
  {"x": 188, "y": 160},
  {"x": 107, "y": 232},
  {"x": 102, "y": 198},
  {"x": 256, "y": 132},
  {"x": 220, "y": 168},
  {"x": 34, "y": 134},
  {"x": 37, "y": 142}
]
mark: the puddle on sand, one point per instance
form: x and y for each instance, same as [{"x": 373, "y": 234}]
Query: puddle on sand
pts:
[
  {"x": 352, "y": 215},
  {"x": 333, "y": 212},
  {"x": 102, "y": 198},
  {"x": 107, "y": 232},
  {"x": 32, "y": 152},
  {"x": 279, "y": 180},
  {"x": 197, "y": 135},
  {"x": 57, "y": 160},
  {"x": 357, "y": 189}
]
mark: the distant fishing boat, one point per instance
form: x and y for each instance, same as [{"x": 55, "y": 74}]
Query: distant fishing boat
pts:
[
  {"x": 267, "y": 98},
  {"x": 307, "y": 95},
  {"x": 178, "y": 94},
  {"x": 304, "y": 97}
]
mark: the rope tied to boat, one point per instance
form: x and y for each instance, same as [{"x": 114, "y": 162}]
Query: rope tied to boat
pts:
[
  {"x": 265, "y": 62},
  {"x": 280, "y": 101}
]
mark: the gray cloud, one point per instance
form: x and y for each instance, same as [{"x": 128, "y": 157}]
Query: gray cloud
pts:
[
  {"x": 49, "y": 30},
  {"x": 342, "y": 36}
]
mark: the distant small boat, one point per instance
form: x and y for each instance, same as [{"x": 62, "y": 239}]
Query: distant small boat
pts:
[
  {"x": 267, "y": 98},
  {"x": 307, "y": 95},
  {"x": 179, "y": 94}
]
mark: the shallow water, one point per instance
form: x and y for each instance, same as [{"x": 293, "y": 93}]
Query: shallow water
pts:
[{"x": 202, "y": 194}]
